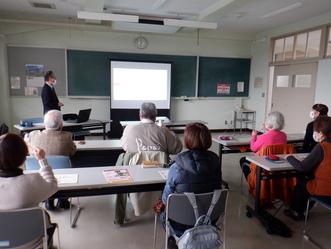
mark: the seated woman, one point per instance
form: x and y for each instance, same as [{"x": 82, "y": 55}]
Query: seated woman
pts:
[
  {"x": 318, "y": 162},
  {"x": 19, "y": 190},
  {"x": 196, "y": 170},
  {"x": 273, "y": 124},
  {"x": 309, "y": 142}
]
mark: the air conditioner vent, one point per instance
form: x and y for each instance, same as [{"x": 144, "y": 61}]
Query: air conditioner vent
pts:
[
  {"x": 149, "y": 21},
  {"x": 43, "y": 5}
]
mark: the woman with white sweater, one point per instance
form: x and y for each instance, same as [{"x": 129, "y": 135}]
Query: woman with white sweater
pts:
[{"x": 19, "y": 190}]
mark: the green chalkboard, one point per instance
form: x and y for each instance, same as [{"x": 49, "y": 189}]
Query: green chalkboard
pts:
[
  {"x": 214, "y": 72},
  {"x": 89, "y": 72}
]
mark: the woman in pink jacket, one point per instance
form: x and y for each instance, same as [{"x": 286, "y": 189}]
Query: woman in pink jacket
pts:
[{"x": 273, "y": 124}]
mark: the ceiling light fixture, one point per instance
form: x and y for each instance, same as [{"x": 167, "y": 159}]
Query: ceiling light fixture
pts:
[
  {"x": 283, "y": 10},
  {"x": 107, "y": 16},
  {"x": 190, "y": 24}
]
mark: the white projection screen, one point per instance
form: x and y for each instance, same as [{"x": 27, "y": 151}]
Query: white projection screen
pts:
[{"x": 133, "y": 83}]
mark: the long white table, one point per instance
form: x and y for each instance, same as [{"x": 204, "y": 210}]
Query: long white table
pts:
[
  {"x": 89, "y": 145},
  {"x": 91, "y": 182},
  {"x": 244, "y": 140},
  {"x": 91, "y": 124},
  {"x": 280, "y": 170},
  {"x": 96, "y": 153}
]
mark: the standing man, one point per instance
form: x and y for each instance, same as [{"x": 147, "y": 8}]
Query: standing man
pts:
[
  {"x": 48, "y": 95},
  {"x": 54, "y": 142}
]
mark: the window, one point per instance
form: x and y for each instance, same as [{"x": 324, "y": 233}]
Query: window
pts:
[
  {"x": 313, "y": 46},
  {"x": 288, "y": 48},
  {"x": 329, "y": 43},
  {"x": 302, "y": 80},
  {"x": 283, "y": 81},
  {"x": 299, "y": 46},
  {"x": 279, "y": 48}
]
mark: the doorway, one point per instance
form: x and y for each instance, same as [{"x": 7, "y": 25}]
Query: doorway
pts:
[{"x": 293, "y": 94}]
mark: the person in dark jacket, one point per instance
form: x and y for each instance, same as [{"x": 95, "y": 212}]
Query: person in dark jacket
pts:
[
  {"x": 316, "y": 111},
  {"x": 196, "y": 170},
  {"x": 48, "y": 95}
]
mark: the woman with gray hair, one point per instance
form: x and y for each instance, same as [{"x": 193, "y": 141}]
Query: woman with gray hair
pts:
[{"x": 273, "y": 124}]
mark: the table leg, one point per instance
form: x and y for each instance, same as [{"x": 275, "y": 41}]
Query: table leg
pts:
[
  {"x": 104, "y": 131},
  {"x": 272, "y": 224},
  {"x": 220, "y": 155},
  {"x": 79, "y": 209}
]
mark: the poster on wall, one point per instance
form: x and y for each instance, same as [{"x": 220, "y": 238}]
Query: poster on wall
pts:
[
  {"x": 223, "y": 89},
  {"x": 15, "y": 82},
  {"x": 31, "y": 91},
  {"x": 34, "y": 75}
]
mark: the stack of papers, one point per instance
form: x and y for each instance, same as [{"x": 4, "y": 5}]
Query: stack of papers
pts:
[
  {"x": 117, "y": 175},
  {"x": 68, "y": 178}
]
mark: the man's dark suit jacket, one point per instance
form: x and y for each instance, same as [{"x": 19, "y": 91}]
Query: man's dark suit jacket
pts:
[{"x": 49, "y": 98}]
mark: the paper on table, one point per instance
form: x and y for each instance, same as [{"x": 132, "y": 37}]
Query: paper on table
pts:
[
  {"x": 164, "y": 173},
  {"x": 117, "y": 175},
  {"x": 69, "y": 178}
]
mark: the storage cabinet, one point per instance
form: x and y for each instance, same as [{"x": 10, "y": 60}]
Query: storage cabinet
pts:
[{"x": 245, "y": 119}]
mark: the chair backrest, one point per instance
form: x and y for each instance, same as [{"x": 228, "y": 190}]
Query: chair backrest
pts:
[
  {"x": 141, "y": 156},
  {"x": 57, "y": 162},
  {"x": 32, "y": 120},
  {"x": 23, "y": 227},
  {"x": 3, "y": 129},
  {"x": 276, "y": 149},
  {"x": 179, "y": 208}
]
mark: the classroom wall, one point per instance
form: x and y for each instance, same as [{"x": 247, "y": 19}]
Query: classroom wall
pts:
[
  {"x": 209, "y": 43},
  {"x": 260, "y": 68}
]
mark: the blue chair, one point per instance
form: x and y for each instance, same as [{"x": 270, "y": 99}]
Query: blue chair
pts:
[
  {"x": 57, "y": 162},
  {"x": 323, "y": 203},
  {"x": 30, "y": 121},
  {"x": 29, "y": 223}
]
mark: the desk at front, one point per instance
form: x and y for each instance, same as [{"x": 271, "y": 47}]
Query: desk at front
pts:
[
  {"x": 88, "y": 125},
  {"x": 172, "y": 123},
  {"x": 280, "y": 170}
]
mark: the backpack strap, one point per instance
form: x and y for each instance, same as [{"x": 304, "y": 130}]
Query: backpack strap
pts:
[
  {"x": 216, "y": 196},
  {"x": 193, "y": 201}
]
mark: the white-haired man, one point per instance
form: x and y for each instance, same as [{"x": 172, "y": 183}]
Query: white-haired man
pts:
[{"x": 54, "y": 142}]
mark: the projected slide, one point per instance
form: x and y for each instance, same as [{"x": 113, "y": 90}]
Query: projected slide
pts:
[{"x": 133, "y": 83}]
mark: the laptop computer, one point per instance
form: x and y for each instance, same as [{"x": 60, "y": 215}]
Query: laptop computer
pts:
[{"x": 82, "y": 116}]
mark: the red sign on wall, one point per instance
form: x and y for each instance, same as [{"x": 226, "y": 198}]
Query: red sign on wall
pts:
[{"x": 223, "y": 89}]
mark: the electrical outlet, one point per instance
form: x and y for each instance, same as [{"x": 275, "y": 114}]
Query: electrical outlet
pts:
[
  {"x": 231, "y": 122},
  {"x": 226, "y": 122}
]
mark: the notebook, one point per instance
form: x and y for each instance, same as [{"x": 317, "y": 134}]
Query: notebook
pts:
[{"x": 82, "y": 116}]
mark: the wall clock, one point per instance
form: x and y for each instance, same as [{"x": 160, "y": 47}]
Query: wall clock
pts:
[{"x": 141, "y": 42}]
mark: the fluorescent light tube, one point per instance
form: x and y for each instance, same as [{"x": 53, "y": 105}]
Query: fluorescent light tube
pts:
[
  {"x": 107, "y": 16},
  {"x": 190, "y": 24},
  {"x": 283, "y": 10},
  {"x": 142, "y": 27}
]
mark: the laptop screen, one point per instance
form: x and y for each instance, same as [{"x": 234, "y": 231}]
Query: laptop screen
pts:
[{"x": 83, "y": 115}]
